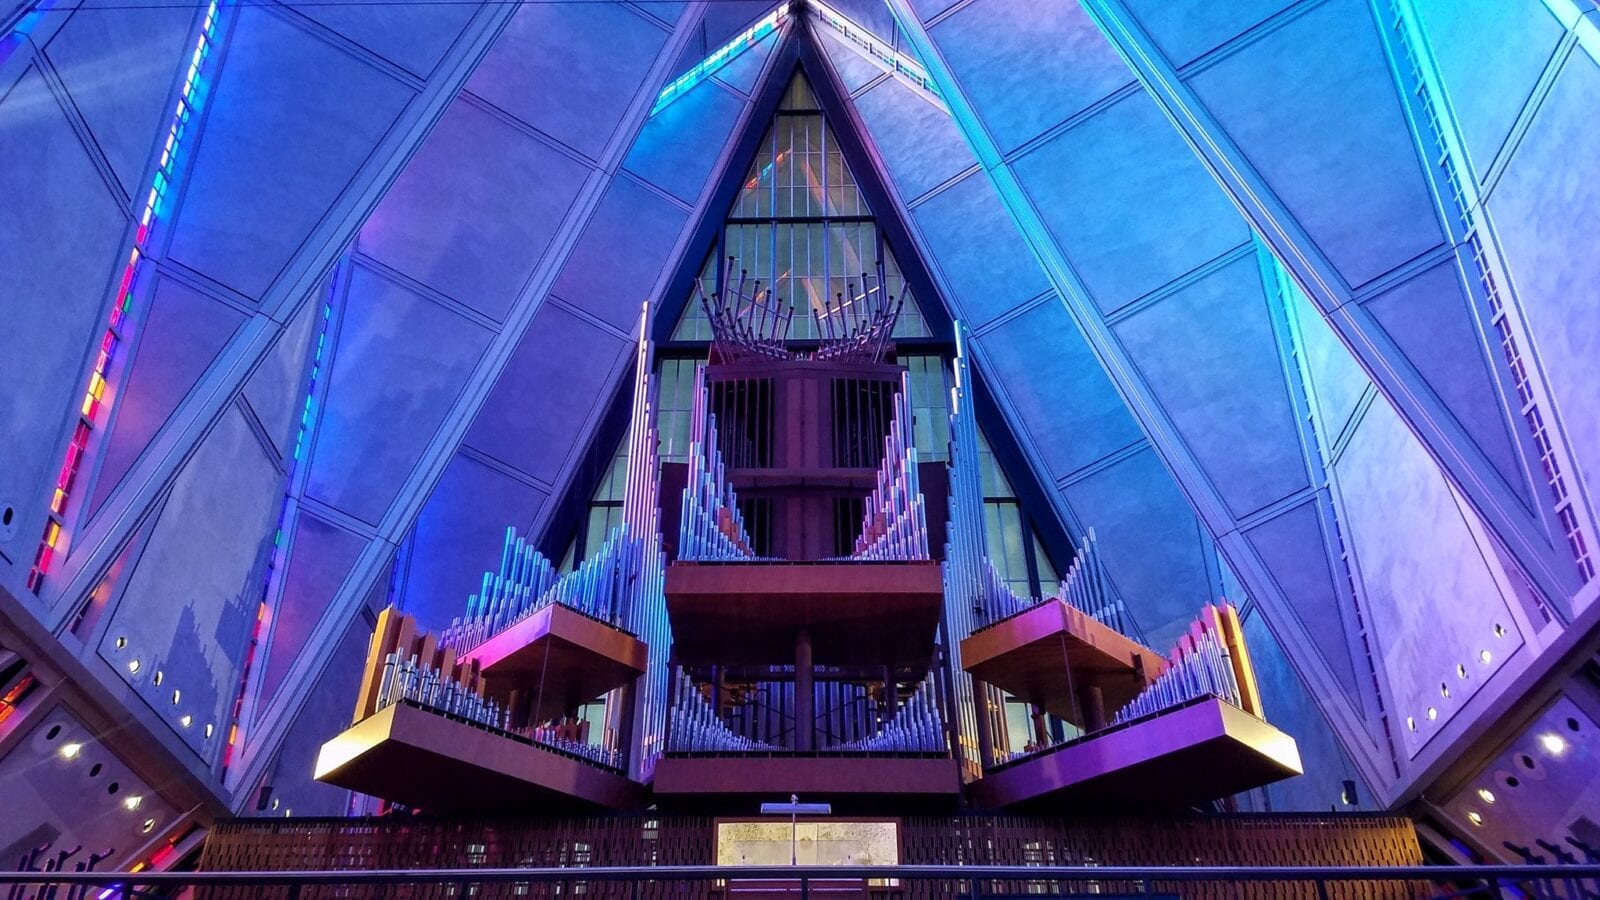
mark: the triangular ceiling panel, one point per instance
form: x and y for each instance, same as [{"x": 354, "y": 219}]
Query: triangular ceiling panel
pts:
[
  {"x": 1429, "y": 318},
  {"x": 118, "y": 63},
  {"x": 183, "y": 332},
  {"x": 324, "y": 555},
  {"x": 276, "y": 389}
]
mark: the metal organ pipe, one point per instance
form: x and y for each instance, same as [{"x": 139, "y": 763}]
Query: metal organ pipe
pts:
[{"x": 894, "y": 525}]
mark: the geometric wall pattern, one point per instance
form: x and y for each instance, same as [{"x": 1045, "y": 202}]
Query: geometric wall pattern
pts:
[{"x": 1287, "y": 300}]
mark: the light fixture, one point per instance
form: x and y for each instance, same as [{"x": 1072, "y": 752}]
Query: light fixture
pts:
[
  {"x": 1499, "y": 630},
  {"x": 186, "y": 721},
  {"x": 1433, "y": 713},
  {"x": 132, "y": 803},
  {"x": 210, "y": 727},
  {"x": 1461, "y": 670},
  {"x": 71, "y": 751},
  {"x": 1444, "y": 690},
  {"x": 133, "y": 667},
  {"x": 176, "y": 696},
  {"x": 1411, "y": 723},
  {"x": 156, "y": 678},
  {"x": 149, "y": 826},
  {"x": 1553, "y": 744},
  {"x": 1486, "y": 795},
  {"x": 1474, "y": 817},
  {"x": 122, "y": 642},
  {"x": 1485, "y": 656}
]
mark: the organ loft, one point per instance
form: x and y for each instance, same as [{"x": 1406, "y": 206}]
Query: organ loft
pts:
[{"x": 803, "y": 606}]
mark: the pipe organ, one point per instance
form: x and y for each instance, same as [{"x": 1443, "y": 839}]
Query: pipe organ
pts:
[{"x": 789, "y": 623}]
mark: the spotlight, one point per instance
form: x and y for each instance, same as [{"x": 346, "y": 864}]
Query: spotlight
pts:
[
  {"x": 1486, "y": 795},
  {"x": 133, "y": 802},
  {"x": 1474, "y": 818},
  {"x": 71, "y": 751},
  {"x": 1553, "y": 744}
]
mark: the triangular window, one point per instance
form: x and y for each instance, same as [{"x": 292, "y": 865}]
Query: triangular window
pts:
[{"x": 801, "y": 226}]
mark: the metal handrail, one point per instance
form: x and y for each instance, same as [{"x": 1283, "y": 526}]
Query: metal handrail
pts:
[{"x": 806, "y": 873}]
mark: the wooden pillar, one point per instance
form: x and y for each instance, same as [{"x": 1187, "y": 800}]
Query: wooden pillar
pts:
[
  {"x": 980, "y": 697},
  {"x": 1093, "y": 704}
]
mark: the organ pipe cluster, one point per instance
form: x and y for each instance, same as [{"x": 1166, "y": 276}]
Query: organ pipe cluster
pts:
[
  {"x": 698, "y": 728},
  {"x": 747, "y": 325},
  {"x": 965, "y": 558},
  {"x": 527, "y": 583},
  {"x": 864, "y": 323},
  {"x": 410, "y": 679},
  {"x": 555, "y": 738},
  {"x": 1201, "y": 666},
  {"x": 916, "y": 728},
  {"x": 1084, "y": 588},
  {"x": 894, "y": 526},
  {"x": 711, "y": 527},
  {"x": 748, "y": 321},
  {"x": 644, "y": 610}
]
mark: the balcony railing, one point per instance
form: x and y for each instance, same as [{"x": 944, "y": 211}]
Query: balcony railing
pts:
[{"x": 955, "y": 882}]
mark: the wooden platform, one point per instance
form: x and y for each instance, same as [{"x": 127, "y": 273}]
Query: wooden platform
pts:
[
  {"x": 559, "y": 658},
  {"x": 1192, "y": 754},
  {"x": 423, "y": 759},
  {"x": 857, "y": 613},
  {"x": 813, "y": 777},
  {"x": 1047, "y": 654}
]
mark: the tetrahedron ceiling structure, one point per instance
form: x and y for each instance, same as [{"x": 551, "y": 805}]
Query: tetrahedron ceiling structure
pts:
[{"x": 1280, "y": 298}]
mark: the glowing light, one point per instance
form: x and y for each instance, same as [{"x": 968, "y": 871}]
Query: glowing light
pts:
[
  {"x": 133, "y": 667},
  {"x": 720, "y": 58},
  {"x": 1486, "y": 795},
  {"x": 1553, "y": 744},
  {"x": 89, "y": 410},
  {"x": 132, "y": 803},
  {"x": 1411, "y": 723},
  {"x": 186, "y": 721},
  {"x": 1432, "y": 713},
  {"x": 71, "y": 751},
  {"x": 887, "y": 58},
  {"x": 149, "y": 826},
  {"x": 1475, "y": 818},
  {"x": 263, "y": 617},
  {"x": 1485, "y": 657}
]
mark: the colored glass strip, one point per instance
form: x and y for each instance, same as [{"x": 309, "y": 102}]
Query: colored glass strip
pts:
[
  {"x": 308, "y": 415},
  {"x": 720, "y": 58},
  {"x": 884, "y": 56},
  {"x": 89, "y": 411}
]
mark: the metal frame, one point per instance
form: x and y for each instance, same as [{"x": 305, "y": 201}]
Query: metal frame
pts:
[{"x": 964, "y": 881}]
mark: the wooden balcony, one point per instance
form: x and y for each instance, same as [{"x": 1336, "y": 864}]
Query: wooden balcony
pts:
[
  {"x": 866, "y": 614},
  {"x": 1053, "y": 655},
  {"x": 1191, "y": 754},
  {"x": 439, "y": 764},
  {"x": 558, "y": 658},
  {"x": 756, "y": 777}
]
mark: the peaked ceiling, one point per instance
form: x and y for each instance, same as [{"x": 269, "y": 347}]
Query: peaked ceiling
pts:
[{"x": 1228, "y": 279}]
